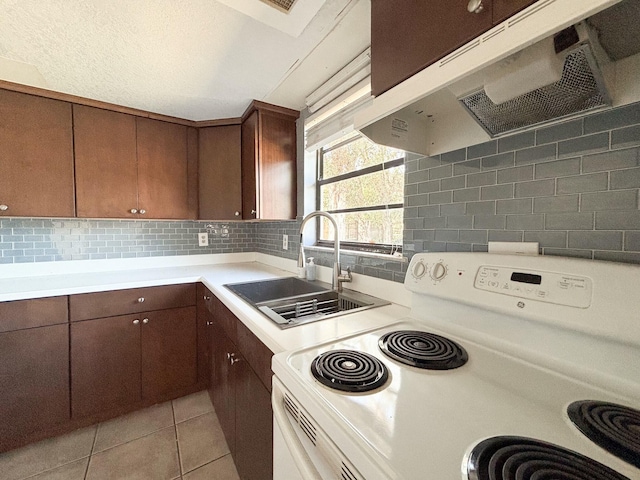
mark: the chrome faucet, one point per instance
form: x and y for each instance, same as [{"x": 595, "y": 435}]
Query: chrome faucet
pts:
[{"x": 338, "y": 278}]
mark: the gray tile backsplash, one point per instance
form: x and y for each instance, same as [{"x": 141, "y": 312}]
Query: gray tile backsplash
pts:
[
  {"x": 44, "y": 239},
  {"x": 573, "y": 187}
]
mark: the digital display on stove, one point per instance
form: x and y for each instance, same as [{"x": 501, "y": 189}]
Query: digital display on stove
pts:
[{"x": 526, "y": 278}]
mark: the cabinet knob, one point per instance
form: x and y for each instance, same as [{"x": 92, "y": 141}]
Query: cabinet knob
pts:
[
  {"x": 253, "y": 212},
  {"x": 133, "y": 210},
  {"x": 145, "y": 320},
  {"x": 4, "y": 208},
  {"x": 237, "y": 214},
  {"x": 475, "y": 6},
  {"x": 235, "y": 360},
  {"x": 136, "y": 321},
  {"x": 141, "y": 300},
  {"x": 207, "y": 298},
  {"x": 142, "y": 211},
  {"x": 209, "y": 323},
  {"x": 230, "y": 355}
]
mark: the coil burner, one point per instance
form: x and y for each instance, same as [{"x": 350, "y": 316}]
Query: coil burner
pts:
[
  {"x": 423, "y": 350},
  {"x": 614, "y": 427},
  {"x": 349, "y": 371},
  {"x": 517, "y": 458}
]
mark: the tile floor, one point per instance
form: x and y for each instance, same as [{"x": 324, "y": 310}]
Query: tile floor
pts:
[{"x": 181, "y": 439}]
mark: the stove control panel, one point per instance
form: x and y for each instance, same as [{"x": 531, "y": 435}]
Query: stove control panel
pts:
[{"x": 550, "y": 287}]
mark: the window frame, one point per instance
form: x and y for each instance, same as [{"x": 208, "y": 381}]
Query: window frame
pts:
[{"x": 382, "y": 248}]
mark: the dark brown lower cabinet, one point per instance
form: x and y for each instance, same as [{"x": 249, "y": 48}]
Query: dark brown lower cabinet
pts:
[
  {"x": 120, "y": 361},
  {"x": 105, "y": 364},
  {"x": 34, "y": 381},
  {"x": 254, "y": 425},
  {"x": 240, "y": 397},
  {"x": 169, "y": 351},
  {"x": 223, "y": 384}
]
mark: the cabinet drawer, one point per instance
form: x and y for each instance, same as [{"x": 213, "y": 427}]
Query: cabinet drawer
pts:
[
  {"x": 38, "y": 312},
  {"x": 256, "y": 353},
  {"x": 121, "y": 302}
]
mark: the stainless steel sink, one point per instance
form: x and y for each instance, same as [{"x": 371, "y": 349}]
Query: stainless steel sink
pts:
[
  {"x": 265, "y": 290},
  {"x": 289, "y": 302}
]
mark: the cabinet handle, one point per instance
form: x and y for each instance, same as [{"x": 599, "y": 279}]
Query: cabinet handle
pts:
[
  {"x": 206, "y": 298},
  {"x": 145, "y": 320},
  {"x": 141, "y": 300},
  {"x": 133, "y": 210},
  {"x": 4, "y": 208},
  {"x": 209, "y": 323},
  {"x": 142, "y": 211},
  {"x": 136, "y": 321},
  {"x": 237, "y": 214},
  {"x": 475, "y": 6},
  {"x": 235, "y": 360}
]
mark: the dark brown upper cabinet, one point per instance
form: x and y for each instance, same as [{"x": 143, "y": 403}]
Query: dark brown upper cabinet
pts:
[
  {"x": 409, "y": 35},
  {"x": 36, "y": 156},
  {"x": 106, "y": 164},
  {"x": 163, "y": 173},
  {"x": 269, "y": 162},
  {"x": 131, "y": 167},
  {"x": 219, "y": 173}
]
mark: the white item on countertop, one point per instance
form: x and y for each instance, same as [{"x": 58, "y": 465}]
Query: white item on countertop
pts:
[{"x": 311, "y": 270}]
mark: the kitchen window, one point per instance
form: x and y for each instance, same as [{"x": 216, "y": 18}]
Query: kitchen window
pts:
[{"x": 361, "y": 184}]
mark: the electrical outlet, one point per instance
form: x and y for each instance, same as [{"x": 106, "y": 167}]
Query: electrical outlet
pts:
[
  {"x": 203, "y": 239},
  {"x": 285, "y": 242}
]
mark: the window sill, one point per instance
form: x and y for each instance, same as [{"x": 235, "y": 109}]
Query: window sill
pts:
[{"x": 360, "y": 253}]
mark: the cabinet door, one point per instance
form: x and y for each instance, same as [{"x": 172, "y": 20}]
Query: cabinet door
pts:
[
  {"x": 105, "y": 364},
  {"x": 503, "y": 9},
  {"x": 254, "y": 425},
  {"x": 222, "y": 389},
  {"x": 409, "y": 35},
  {"x": 250, "y": 166},
  {"x": 36, "y": 156},
  {"x": 34, "y": 381},
  {"x": 277, "y": 167},
  {"x": 106, "y": 170},
  {"x": 162, "y": 169},
  {"x": 169, "y": 351},
  {"x": 219, "y": 173}
]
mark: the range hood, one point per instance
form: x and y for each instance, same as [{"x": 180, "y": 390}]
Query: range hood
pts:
[{"x": 552, "y": 61}]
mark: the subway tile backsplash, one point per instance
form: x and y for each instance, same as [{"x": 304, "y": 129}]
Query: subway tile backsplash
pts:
[{"x": 573, "y": 187}]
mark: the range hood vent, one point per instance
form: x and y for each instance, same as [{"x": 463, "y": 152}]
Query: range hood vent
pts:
[
  {"x": 579, "y": 90},
  {"x": 282, "y": 5}
]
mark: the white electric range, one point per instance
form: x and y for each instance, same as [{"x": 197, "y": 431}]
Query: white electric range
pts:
[{"x": 524, "y": 357}]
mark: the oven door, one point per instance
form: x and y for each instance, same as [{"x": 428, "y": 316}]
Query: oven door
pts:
[{"x": 301, "y": 450}]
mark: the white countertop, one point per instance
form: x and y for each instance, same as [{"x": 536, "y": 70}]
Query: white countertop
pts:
[{"x": 67, "y": 278}]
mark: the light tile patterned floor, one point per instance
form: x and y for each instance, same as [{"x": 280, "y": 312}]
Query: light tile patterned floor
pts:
[{"x": 181, "y": 439}]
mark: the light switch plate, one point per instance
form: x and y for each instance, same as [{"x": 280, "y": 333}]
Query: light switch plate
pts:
[{"x": 203, "y": 239}]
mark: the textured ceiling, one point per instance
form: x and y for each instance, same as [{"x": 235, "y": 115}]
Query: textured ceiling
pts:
[{"x": 195, "y": 59}]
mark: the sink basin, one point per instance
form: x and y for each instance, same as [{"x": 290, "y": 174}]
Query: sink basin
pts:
[
  {"x": 265, "y": 290},
  {"x": 289, "y": 302}
]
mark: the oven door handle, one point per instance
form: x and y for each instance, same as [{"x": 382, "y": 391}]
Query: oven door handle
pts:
[{"x": 298, "y": 453}]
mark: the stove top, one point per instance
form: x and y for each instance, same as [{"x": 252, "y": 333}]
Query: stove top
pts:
[{"x": 481, "y": 370}]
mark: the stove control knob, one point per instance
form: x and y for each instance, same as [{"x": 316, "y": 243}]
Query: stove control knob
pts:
[
  {"x": 439, "y": 271},
  {"x": 419, "y": 270}
]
